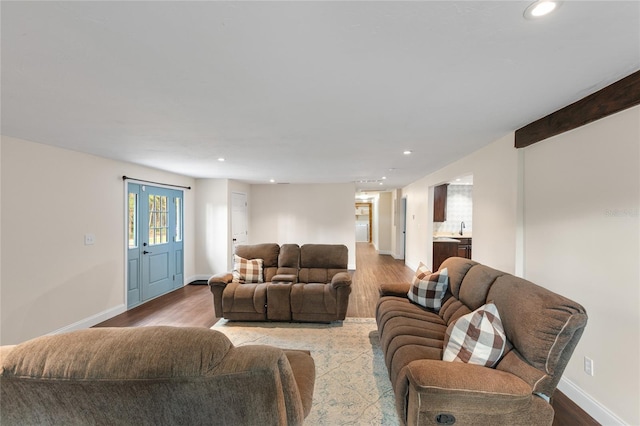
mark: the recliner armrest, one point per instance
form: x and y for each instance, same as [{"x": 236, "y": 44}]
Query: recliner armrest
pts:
[
  {"x": 394, "y": 289},
  {"x": 445, "y": 376},
  {"x": 341, "y": 279},
  {"x": 435, "y": 386},
  {"x": 221, "y": 279},
  {"x": 269, "y": 367},
  {"x": 285, "y": 278}
]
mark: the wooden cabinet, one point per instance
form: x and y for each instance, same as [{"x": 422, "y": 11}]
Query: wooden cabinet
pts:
[
  {"x": 440, "y": 203},
  {"x": 443, "y": 250},
  {"x": 464, "y": 248},
  {"x": 450, "y": 247}
]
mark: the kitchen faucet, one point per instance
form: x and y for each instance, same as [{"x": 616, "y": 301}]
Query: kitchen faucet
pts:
[{"x": 461, "y": 228}]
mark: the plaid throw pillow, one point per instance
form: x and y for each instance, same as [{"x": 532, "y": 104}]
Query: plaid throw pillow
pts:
[
  {"x": 476, "y": 338},
  {"x": 247, "y": 270},
  {"x": 428, "y": 289}
]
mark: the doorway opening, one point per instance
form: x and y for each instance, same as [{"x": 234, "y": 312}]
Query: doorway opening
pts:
[
  {"x": 452, "y": 219},
  {"x": 363, "y": 222}
]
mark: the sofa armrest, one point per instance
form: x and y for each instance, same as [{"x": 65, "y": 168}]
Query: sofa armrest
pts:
[
  {"x": 341, "y": 279},
  {"x": 435, "y": 386},
  {"x": 437, "y": 375},
  {"x": 217, "y": 284},
  {"x": 272, "y": 373},
  {"x": 221, "y": 279},
  {"x": 285, "y": 278},
  {"x": 394, "y": 289}
]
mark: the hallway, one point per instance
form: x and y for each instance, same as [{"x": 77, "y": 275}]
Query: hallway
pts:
[{"x": 372, "y": 269}]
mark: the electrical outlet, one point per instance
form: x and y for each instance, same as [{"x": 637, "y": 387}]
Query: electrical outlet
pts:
[
  {"x": 588, "y": 366},
  {"x": 89, "y": 239}
]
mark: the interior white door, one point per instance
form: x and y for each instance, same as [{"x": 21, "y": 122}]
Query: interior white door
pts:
[{"x": 239, "y": 228}]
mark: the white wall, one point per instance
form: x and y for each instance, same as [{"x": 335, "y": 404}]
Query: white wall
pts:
[
  {"x": 565, "y": 214},
  {"x": 582, "y": 239},
  {"x": 214, "y": 246},
  {"x": 211, "y": 222},
  {"x": 495, "y": 210},
  {"x": 384, "y": 216},
  {"x": 397, "y": 224},
  {"x": 375, "y": 226},
  {"x": 51, "y": 198},
  {"x": 301, "y": 214}
]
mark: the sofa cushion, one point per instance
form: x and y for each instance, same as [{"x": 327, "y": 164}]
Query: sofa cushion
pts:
[
  {"x": 476, "y": 285},
  {"x": 289, "y": 259},
  {"x": 324, "y": 256},
  {"x": 268, "y": 252},
  {"x": 476, "y": 338},
  {"x": 429, "y": 289},
  {"x": 457, "y": 268},
  {"x": 247, "y": 270}
]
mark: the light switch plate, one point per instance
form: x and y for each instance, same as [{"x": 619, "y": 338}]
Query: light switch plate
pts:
[{"x": 588, "y": 366}]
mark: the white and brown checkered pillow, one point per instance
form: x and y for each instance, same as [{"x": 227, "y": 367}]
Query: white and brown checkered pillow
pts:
[
  {"x": 476, "y": 338},
  {"x": 246, "y": 271},
  {"x": 429, "y": 289}
]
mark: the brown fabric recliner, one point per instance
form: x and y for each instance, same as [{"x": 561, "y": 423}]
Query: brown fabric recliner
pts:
[
  {"x": 307, "y": 284},
  {"x": 152, "y": 376},
  {"x": 542, "y": 327},
  {"x": 324, "y": 284},
  {"x": 247, "y": 302}
]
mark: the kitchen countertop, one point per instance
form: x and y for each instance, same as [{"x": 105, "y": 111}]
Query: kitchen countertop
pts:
[{"x": 445, "y": 240}]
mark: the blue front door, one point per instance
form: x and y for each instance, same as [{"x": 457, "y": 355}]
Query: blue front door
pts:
[{"x": 155, "y": 243}]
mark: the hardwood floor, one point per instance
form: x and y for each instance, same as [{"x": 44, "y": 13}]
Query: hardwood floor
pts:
[
  {"x": 189, "y": 306},
  {"x": 373, "y": 269},
  {"x": 192, "y": 306}
]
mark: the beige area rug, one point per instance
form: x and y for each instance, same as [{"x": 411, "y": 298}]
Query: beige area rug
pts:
[{"x": 352, "y": 385}]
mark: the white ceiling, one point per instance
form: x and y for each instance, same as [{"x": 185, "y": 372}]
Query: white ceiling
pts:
[{"x": 300, "y": 92}]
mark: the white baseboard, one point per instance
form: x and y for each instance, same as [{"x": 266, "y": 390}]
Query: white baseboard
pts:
[
  {"x": 388, "y": 252},
  {"x": 583, "y": 400},
  {"x": 411, "y": 266},
  {"x": 92, "y": 320},
  {"x": 197, "y": 278}
]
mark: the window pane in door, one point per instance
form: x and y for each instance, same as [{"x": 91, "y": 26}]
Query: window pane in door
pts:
[
  {"x": 158, "y": 224},
  {"x": 133, "y": 214},
  {"x": 178, "y": 219}
]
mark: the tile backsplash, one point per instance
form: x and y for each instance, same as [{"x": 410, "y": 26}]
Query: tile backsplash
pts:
[{"x": 459, "y": 209}]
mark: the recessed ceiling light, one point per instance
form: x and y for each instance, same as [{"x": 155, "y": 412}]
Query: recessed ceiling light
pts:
[
  {"x": 407, "y": 152},
  {"x": 272, "y": 180},
  {"x": 221, "y": 160},
  {"x": 541, "y": 8},
  {"x": 384, "y": 177}
]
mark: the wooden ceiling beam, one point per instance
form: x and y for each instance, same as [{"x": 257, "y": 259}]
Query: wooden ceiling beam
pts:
[{"x": 622, "y": 94}]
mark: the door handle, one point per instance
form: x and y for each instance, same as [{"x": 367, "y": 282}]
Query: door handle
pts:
[{"x": 146, "y": 252}]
